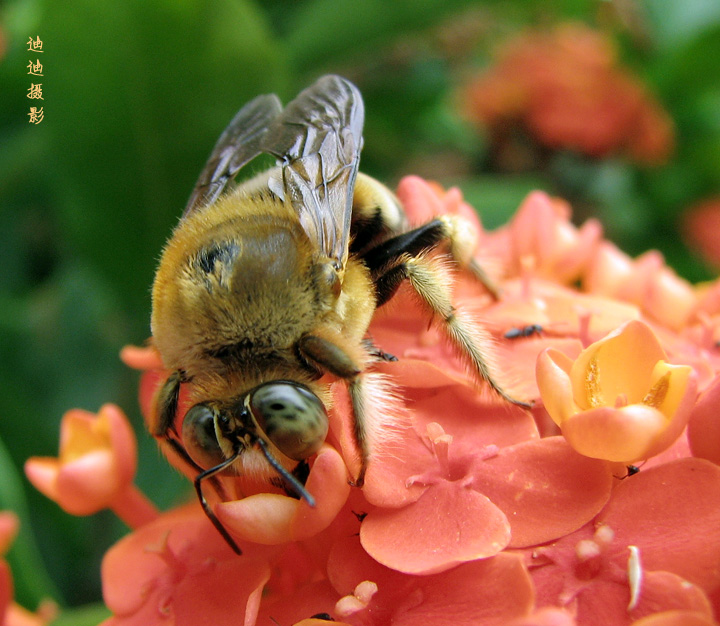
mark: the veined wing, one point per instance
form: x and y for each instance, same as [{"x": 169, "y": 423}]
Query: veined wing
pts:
[
  {"x": 238, "y": 145},
  {"x": 317, "y": 140}
]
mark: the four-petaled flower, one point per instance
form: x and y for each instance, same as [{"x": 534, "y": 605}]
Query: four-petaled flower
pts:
[{"x": 620, "y": 400}]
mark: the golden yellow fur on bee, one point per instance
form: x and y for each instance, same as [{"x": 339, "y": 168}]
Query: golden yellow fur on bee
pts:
[{"x": 266, "y": 290}]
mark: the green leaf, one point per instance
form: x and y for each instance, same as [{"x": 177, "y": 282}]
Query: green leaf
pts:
[
  {"x": 88, "y": 615},
  {"x": 31, "y": 580},
  {"x": 327, "y": 32},
  {"x": 496, "y": 198}
]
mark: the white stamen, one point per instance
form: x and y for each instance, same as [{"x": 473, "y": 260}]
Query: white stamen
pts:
[{"x": 635, "y": 575}]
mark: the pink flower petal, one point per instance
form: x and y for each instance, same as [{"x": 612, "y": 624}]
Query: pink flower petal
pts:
[
  {"x": 676, "y": 618},
  {"x": 605, "y": 602},
  {"x": 300, "y": 603},
  {"x": 491, "y": 592},
  {"x": 146, "y": 572},
  {"x": 449, "y": 524},
  {"x": 328, "y": 483},
  {"x": 704, "y": 425},
  {"x": 230, "y": 594},
  {"x": 6, "y": 590},
  {"x": 545, "y": 488},
  {"x": 672, "y": 513},
  {"x": 264, "y": 518},
  {"x": 625, "y": 361},
  {"x": 88, "y": 483},
  {"x": 553, "y": 377},
  {"x": 43, "y": 472},
  {"x": 270, "y": 519},
  {"x": 548, "y": 616}
]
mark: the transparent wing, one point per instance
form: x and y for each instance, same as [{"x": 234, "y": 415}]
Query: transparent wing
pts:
[
  {"x": 317, "y": 141},
  {"x": 238, "y": 145}
]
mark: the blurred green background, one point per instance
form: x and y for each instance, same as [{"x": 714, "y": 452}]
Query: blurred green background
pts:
[{"x": 136, "y": 93}]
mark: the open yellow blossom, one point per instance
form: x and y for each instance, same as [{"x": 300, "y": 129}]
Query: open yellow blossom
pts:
[
  {"x": 95, "y": 468},
  {"x": 620, "y": 400}
]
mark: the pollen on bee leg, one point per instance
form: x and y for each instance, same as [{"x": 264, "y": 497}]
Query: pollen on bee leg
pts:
[{"x": 463, "y": 238}]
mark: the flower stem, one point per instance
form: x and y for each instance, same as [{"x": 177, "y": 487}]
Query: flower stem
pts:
[{"x": 134, "y": 508}]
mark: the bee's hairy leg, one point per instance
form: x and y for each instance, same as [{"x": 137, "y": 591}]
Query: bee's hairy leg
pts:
[
  {"x": 449, "y": 229},
  {"x": 459, "y": 235},
  {"x": 478, "y": 271},
  {"x": 376, "y": 352},
  {"x": 166, "y": 407},
  {"x": 333, "y": 356},
  {"x": 355, "y": 388},
  {"x": 377, "y": 214},
  {"x": 429, "y": 280}
]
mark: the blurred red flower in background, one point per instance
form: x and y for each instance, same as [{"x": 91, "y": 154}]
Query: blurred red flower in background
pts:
[
  {"x": 565, "y": 88},
  {"x": 477, "y": 512},
  {"x": 701, "y": 226}
]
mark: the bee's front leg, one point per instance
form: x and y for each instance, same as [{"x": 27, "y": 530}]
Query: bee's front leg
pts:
[
  {"x": 342, "y": 359},
  {"x": 164, "y": 414},
  {"x": 164, "y": 431}
]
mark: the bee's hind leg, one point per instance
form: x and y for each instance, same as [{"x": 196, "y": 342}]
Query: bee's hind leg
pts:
[
  {"x": 378, "y": 218},
  {"x": 405, "y": 258}
]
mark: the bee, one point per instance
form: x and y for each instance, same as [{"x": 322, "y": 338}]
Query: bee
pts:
[{"x": 267, "y": 286}]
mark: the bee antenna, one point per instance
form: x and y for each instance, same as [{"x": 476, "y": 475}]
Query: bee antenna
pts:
[
  {"x": 289, "y": 479},
  {"x": 206, "y": 507}
]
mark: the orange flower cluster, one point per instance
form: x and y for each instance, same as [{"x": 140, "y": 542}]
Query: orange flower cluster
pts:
[
  {"x": 564, "y": 87},
  {"x": 475, "y": 512}
]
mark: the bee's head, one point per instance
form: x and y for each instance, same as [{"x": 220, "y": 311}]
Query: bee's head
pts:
[{"x": 284, "y": 413}]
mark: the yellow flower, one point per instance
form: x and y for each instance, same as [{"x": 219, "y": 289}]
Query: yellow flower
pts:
[
  {"x": 620, "y": 400},
  {"x": 95, "y": 468}
]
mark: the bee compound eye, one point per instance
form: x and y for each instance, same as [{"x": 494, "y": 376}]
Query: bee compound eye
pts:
[
  {"x": 198, "y": 435},
  {"x": 292, "y": 417}
]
